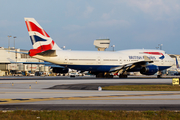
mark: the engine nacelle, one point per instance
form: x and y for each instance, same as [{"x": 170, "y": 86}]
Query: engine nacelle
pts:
[
  {"x": 60, "y": 70},
  {"x": 149, "y": 70}
]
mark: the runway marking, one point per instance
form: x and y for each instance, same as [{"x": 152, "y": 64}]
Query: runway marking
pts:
[
  {"x": 102, "y": 92},
  {"x": 108, "y": 97},
  {"x": 20, "y": 82}
]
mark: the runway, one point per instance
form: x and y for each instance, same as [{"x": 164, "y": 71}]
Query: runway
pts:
[{"x": 34, "y": 93}]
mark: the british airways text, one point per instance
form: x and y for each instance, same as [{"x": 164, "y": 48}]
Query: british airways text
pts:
[{"x": 141, "y": 57}]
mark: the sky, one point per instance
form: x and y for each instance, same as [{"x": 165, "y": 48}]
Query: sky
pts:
[{"x": 129, "y": 24}]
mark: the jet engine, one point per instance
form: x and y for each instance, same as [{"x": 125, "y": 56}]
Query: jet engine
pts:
[{"x": 149, "y": 70}]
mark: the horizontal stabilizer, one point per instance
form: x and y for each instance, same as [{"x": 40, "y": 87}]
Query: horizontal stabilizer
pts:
[
  {"x": 50, "y": 53},
  {"x": 18, "y": 52}
]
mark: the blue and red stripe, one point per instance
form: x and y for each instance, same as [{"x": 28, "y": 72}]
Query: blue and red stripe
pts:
[{"x": 156, "y": 53}]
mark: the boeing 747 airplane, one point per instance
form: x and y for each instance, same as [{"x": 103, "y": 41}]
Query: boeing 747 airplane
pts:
[{"x": 99, "y": 63}]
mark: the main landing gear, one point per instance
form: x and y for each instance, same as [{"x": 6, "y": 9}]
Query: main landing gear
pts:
[
  {"x": 104, "y": 75},
  {"x": 159, "y": 75},
  {"x": 107, "y": 75},
  {"x": 122, "y": 76}
]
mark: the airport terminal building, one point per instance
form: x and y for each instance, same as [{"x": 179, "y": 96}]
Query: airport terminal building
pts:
[{"x": 13, "y": 63}]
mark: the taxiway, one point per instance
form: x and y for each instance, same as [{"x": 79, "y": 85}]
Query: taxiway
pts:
[{"x": 40, "y": 93}]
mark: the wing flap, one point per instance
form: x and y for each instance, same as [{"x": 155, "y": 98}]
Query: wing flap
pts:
[
  {"x": 49, "y": 53},
  {"x": 123, "y": 68}
]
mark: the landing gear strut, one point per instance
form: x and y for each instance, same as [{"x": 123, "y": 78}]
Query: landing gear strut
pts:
[
  {"x": 159, "y": 74},
  {"x": 100, "y": 75},
  {"x": 104, "y": 75},
  {"x": 122, "y": 76}
]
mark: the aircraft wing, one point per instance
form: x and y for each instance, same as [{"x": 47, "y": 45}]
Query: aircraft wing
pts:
[{"x": 125, "y": 67}]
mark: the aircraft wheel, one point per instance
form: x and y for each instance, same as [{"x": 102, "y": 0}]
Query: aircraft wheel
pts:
[
  {"x": 122, "y": 76},
  {"x": 108, "y": 76},
  {"x": 159, "y": 76},
  {"x": 125, "y": 76},
  {"x": 100, "y": 75}
]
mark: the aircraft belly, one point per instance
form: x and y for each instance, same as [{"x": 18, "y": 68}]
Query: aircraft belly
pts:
[{"x": 96, "y": 68}]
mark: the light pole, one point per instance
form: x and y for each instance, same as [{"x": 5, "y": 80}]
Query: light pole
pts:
[
  {"x": 113, "y": 47},
  {"x": 160, "y": 46},
  {"x": 14, "y": 41},
  {"x": 157, "y": 48},
  {"x": 63, "y": 47},
  {"x": 15, "y": 48},
  {"x": 9, "y": 41}
]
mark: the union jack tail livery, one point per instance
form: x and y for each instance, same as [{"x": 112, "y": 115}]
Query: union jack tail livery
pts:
[{"x": 41, "y": 41}]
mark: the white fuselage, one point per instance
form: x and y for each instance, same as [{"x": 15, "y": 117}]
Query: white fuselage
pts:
[{"x": 98, "y": 60}]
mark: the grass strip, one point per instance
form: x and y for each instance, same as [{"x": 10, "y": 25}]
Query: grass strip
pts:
[
  {"x": 89, "y": 115},
  {"x": 143, "y": 88}
]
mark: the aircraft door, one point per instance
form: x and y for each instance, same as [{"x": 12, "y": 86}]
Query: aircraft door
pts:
[
  {"x": 65, "y": 60},
  {"x": 162, "y": 62},
  {"x": 99, "y": 60},
  {"x": 120, "y": 60}
]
